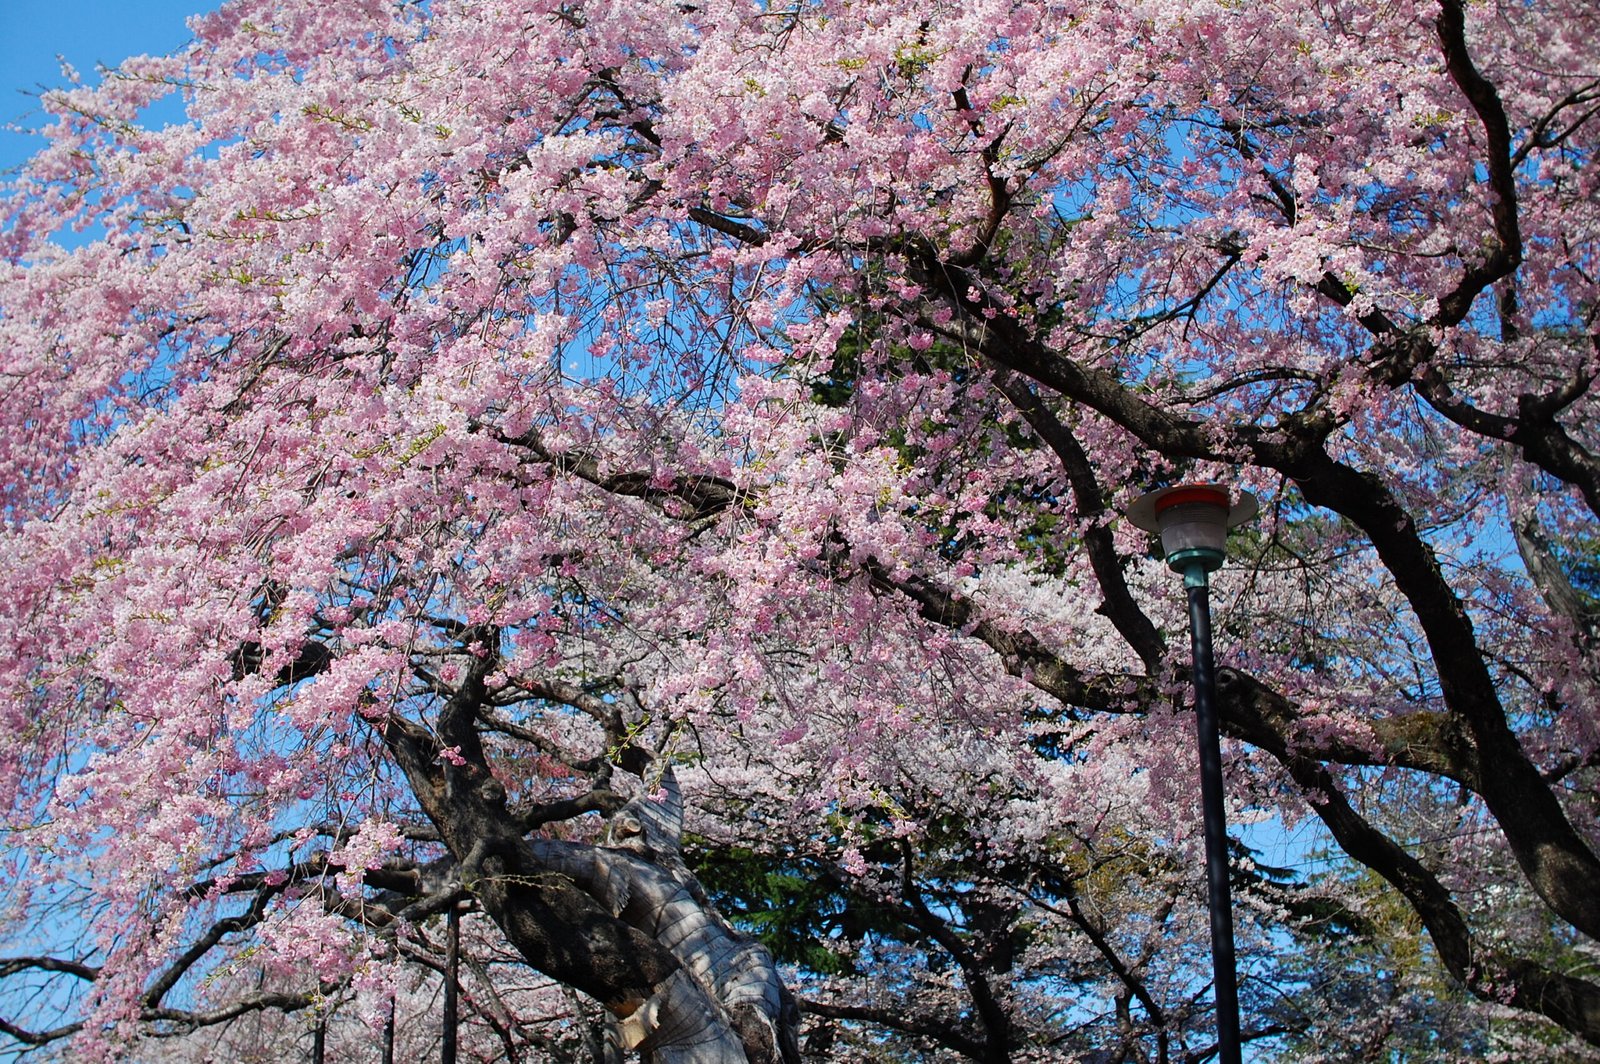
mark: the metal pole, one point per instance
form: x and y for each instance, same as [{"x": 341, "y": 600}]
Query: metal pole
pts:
[
  {"x": 1218, "y": 899},
  {"x": 388, "y": 1035},
  {"x": 452, "y": 962}
]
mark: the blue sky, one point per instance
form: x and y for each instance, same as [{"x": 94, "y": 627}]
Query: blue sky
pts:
[{"x": 86, "y": 33}]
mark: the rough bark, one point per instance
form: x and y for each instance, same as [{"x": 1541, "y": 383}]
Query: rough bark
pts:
[{"x": 613, "y": 923}]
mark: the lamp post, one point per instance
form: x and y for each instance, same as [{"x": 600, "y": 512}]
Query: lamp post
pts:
[{"x": 1193, "y": 520}]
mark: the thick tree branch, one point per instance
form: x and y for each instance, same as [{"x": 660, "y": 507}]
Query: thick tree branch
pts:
[
  {"x": 1505, "y": 254},
  {"x": 13, "y": 965},
  {"x": 1089, "y": 501},
  {"x": 943, "y": 1032},
  {"x": 914, "y": 910},
  {"x": 1558, "y": 862},
  {"x": 1488, "y": 973},
  {"x": 214, "y": 934}
]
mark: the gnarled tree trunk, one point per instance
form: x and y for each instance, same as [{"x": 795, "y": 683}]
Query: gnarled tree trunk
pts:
[{"x": 625, "y": 923}]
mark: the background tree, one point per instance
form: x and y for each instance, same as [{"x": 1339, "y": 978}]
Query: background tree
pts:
[{"x": 475, "y": 409}]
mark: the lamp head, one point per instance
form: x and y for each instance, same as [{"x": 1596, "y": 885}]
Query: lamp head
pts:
[{"x": 1193, "y": 521}]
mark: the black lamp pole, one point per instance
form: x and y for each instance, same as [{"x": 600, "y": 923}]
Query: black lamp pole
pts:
[
  {"x": 452, "y": 983},
  {"x": 1193, "y": 520},
  {"x": 1218, "y": 897}
]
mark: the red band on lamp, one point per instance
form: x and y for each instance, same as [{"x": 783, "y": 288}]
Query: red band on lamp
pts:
[{"x": 1209, "y": 496}]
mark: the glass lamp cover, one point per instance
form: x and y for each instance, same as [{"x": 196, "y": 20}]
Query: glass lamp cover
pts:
[{"x": 1193, "y": 520}]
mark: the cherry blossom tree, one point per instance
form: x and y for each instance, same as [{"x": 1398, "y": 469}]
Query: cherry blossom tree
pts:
[{"x": 627, "y": 496}]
